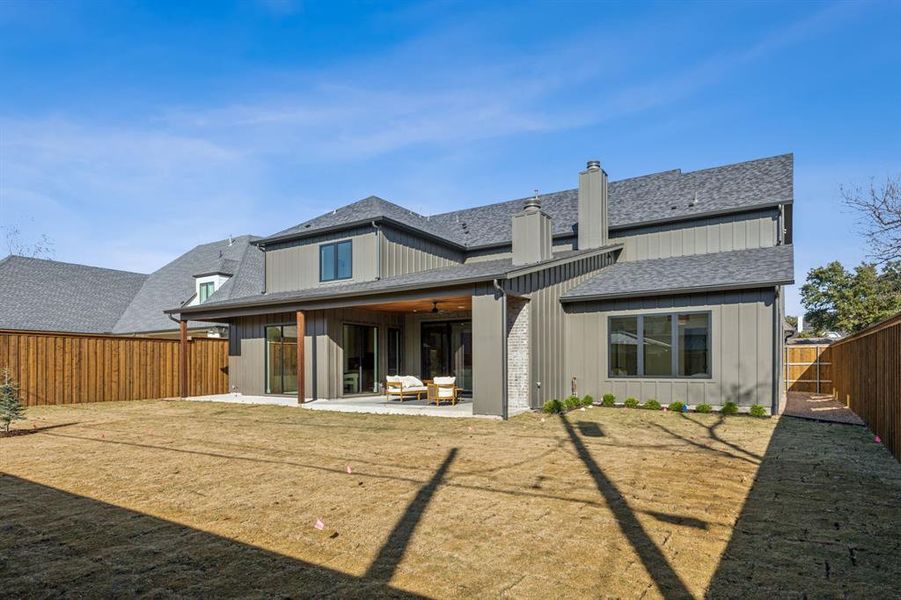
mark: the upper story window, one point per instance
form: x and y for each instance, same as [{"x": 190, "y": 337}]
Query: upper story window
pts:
[
  {"x": 660, "y": 345},
  {"x": 335, "y": 261},
  {"x": 206, "y": 290}
]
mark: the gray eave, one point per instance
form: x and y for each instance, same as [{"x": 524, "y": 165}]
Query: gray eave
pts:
[
  {"x": 720, "y": 271},
  {"x": 445, "y": 277}
]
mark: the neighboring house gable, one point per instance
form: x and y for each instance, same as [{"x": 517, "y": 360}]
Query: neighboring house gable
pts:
[
  {"x": 179, "y": 282},
  {"x": 47, "y": 295}
]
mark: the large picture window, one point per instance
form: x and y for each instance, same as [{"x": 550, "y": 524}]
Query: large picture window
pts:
[
  {"x": 335, "y": 261},
  {"x": 660, "y": 345}
]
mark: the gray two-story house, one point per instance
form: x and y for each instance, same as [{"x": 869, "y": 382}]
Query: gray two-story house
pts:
[{"x": 666, "y": 286}]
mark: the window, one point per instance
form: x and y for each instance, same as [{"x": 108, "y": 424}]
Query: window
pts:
[
  {"x": 206, "y": 290},
  {"x": 660, "y": 345},
  {"x": 335, "y": 261},
  {"x": 395, "y": 351}
]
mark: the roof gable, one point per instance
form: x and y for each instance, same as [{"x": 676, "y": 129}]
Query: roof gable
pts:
[{"x": 174, "y": 283}]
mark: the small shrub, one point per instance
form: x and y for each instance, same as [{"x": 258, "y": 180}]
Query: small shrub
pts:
[
  {"x": 631, "y": 402},
  {"x": 676, "y": 406},
  {"x": 572, "y": 402},
  {"x": 758, "y": 410},
  {"x": 703, "y": 408},
  {"x": 552, "y": 407},
  {"x": 587, "y": 400},
  {"x": 651, "y": 405},
  {"x": 729, "y": 408},
  {"x": 608, "y": 400},
  {"x": 11, "y": 408}
]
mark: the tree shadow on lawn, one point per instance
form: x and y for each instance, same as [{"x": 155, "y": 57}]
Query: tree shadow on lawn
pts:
[
  {"x": 57, "y": 542},
  {"x": 665, "y": 578},
  {"x": 822, "y": 519},
  {"x": 34, "y": 429}
]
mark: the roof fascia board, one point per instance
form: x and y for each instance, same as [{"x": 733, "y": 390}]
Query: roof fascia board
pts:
[
  {"x": 270, "y": 302},
  {"x": 328, "y": 303},
  {"x": 703, "y": 215},
  {"x": 564, "y": 260},
  {"x": 299, "y": 235},
  {"x": 678, "y": 291}
]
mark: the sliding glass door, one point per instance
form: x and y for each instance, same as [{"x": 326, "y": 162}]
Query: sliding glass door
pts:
[
  {"x": 360, "y": 359},
  {"x": 281, "y": 359},
  {"x": 447, "y": 351}
]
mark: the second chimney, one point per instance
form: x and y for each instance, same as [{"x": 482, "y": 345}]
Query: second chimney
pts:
[
  {"x": 592, "y": 206},
  {"x": 531, "y": 234}
]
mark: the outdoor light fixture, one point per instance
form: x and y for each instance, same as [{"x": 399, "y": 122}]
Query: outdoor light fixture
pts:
[{"x": 434, "y": 306}]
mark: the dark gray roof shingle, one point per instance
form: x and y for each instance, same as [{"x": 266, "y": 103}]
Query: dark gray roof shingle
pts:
[
  {"x": 666, "y": 196},
  {"x": 174, "y": 283},
  {"x": 364, "y": 211},
  {"x": 737, "y": 269},
  {"x": 46, "y": 295}
]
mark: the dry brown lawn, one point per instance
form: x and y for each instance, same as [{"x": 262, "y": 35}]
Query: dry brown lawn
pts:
[{"x": 199, "y": 499}]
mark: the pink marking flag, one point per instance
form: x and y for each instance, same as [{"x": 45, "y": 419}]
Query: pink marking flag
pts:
[
  {"x": 319, "y": 524},
  {"x": 878, "y": 439},
  {"x": 349, "y": 470}
]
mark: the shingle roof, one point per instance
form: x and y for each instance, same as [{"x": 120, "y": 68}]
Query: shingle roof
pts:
[
  {"x": 365, "y": 211},
  {"x": 441, "y": 277},
  {"x": 47, "y": 295},
  {"x": 174, "y": 283},
  {"x": 737, "y": 269},
  {"x": 666, "y": 196}
]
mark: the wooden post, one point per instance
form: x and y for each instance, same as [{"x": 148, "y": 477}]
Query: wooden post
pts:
[
  {"x": 183, "y": 362},
  {"x": 301, "y": 382}
]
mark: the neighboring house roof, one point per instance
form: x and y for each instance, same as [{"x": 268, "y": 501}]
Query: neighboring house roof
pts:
[
  {"x": 737, "y": 269},
  {"x": 174, "y": 283},
  {"x": 667, "y": 196},
  {"x": 455, "y": 275},
  {"x": 47, "y": 295}
]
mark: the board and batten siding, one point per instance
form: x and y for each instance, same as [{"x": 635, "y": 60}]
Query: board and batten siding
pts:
[
  {"x": 756, "y": 229},
  {"x": 546, "y": 323},
  {"x": 295, "y": 265},
  {"x": 402, "y": 253},
  {"x": 742, "y": 349},
  {"x": 323, "y": 341}
]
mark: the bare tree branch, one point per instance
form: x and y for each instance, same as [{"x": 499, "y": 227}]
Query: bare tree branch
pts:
[
  {"x": 880, "y": 211},
  {"x": 42, "y": 248}
]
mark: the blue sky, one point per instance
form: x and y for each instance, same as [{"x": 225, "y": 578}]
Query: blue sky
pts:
[{"x": 129, "y": 132}]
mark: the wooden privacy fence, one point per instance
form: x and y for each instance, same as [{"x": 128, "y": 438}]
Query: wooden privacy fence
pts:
[
  {"x": 867, "y": 378},
  {"x": 64, "y": 368},
  {"x": 808, "y": 368}
]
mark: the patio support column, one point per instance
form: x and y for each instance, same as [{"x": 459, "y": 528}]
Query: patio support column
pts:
[
  {"x": 183, "y": 358},
  {"x": 301, "y": 334}
]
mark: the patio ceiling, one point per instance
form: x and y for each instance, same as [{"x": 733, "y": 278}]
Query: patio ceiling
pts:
[{"x": 425, "y": 305}]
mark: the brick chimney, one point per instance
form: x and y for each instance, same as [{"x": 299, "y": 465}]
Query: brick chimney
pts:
[
  {"x": 531, "y": 234},
  {"x": 592, "y": 206}
]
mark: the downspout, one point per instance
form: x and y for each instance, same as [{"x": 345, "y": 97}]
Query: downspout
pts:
[
  {"x": 504, "y": 391},
  {"x": 378, "y": 250},
  {"x": 262, "y": 248}
]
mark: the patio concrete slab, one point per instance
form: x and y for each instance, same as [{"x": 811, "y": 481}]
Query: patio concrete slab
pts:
[
  {"x": 378, "y": 405},
  {"x": 357, "y": 404}
]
